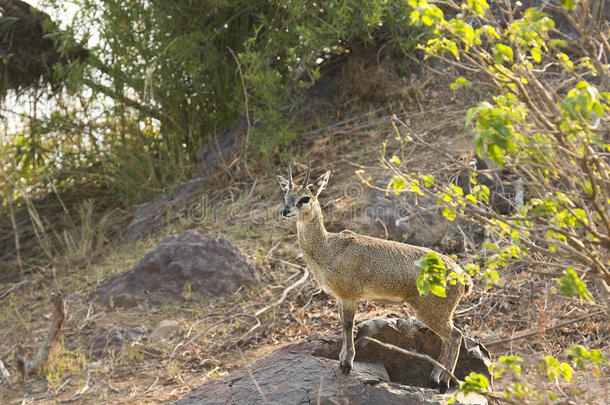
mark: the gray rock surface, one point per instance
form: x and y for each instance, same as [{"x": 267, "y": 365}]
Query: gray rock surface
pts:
[
  {"x": 112, "y": 340},
  {"x": 406, "y": 221},
  {"x": 153, "y": 214},
  {"x": 184, "y": 264},
  {"x": 308, "y": 372},
  {"x": 411, "y": 334},
  {"x": 165, "y": 330}
]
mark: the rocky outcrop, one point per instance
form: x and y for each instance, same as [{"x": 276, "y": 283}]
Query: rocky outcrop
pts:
[
  {"x": 182, "y": 266},
  {"x": 308, "y": 372},
  {"x": 153, "y": 214},
  {"x": 417, "y": 223}
]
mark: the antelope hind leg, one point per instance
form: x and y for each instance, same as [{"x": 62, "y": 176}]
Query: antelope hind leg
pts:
[
  {"x": 453, "y": 352},
  {"x": 346, "y": 357}
]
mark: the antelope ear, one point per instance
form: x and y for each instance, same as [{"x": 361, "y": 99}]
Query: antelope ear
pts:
[
  {"x": 321, "y": 182},
  {"x": 284, "y": 183}
]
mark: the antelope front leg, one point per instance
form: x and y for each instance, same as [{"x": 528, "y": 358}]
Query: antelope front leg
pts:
[{"x": 346, "y": 358}]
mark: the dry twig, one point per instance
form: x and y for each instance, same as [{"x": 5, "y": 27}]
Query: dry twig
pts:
[
  {"x": 285, "y": 293},
  {"x": 539, "y": 331},
  {"x": 60, "y": 311}
]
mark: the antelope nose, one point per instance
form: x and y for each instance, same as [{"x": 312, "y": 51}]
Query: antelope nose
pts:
[{"x": 285, "y": 211}]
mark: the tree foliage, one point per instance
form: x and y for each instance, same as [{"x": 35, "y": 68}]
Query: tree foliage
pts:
[
  {"x": 28, "y": 54},
  {"x": 160, "y": 79},
  {"x": 547, "y": 124},
  {"x": 165, "y": 77}
]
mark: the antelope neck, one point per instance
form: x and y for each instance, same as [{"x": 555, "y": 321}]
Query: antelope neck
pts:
[{"x": 312, "y": 235}]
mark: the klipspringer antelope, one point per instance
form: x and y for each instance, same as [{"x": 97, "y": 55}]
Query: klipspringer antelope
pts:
[{"x": 351, "y": 267}]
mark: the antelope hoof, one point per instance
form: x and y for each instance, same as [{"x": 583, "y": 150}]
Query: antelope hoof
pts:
[
  {"x": 443, "y": 386},
  {"x": 345, "y": 366},
  {"x": 440, "y": 381}
]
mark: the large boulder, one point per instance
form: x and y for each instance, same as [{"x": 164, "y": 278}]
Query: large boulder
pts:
[
  {"x": 153, "y": 214},
  {"x": 414, "y": 222},
  {"x": 411, "y": 334},
  {"x": 182, "y": 266},
  {"x": 308, "y": 372}
]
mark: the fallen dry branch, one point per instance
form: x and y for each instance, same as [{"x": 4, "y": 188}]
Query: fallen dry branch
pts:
[
  {"x": 285, "y": 293},
  {"x": 13, "y": 288},
  {"x": 489, "y": 395},
  {"x": 60, "y": 310},
  {"x": 412, "y": 354},
  {"x": 540, "y": 331}
]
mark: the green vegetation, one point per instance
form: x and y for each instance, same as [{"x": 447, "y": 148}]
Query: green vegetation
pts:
[
  {"x": 125, "y": 120},
  {"x": 553, "y": 140},
  {"x": 105, "y": 129},
  {"x": 521, "y": 384},
  {"x": 547, "y": 126}
]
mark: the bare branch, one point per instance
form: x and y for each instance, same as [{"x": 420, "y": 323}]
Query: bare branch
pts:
[{"x": 60, "y": 311}]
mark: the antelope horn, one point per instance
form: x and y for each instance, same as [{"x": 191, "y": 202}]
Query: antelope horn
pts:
[
  {"x": 306, "y": 179},
  {"x": 291, "y": 184}
]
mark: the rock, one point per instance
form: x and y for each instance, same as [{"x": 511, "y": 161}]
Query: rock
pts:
[
  {"x": 308, "y": 372},
  {"x": 165, "y": 330},
  {"x": 222, "y": 149},
  {"x": 405, "y": 221},
  {"x": 153, "y": 214},
  {"x": 411, "y": 334},
  {"x": 503, "y": 185},
  {"x": 184, "y": 264},
  {"x": 112, "y": 340}
]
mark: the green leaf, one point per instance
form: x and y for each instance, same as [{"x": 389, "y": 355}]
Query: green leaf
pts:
[
  {"x": 568, "y": 4},
  {"x": 536, "y": 54},
  {"x": 557, "y": 369},
  {"x": 492, "y": 278},
  {"x": 481, "y": 192},
  {"x": 512, "y": 363},
  {"x": 449, "y": 213},
  {"x": 571, "y": 285},
  {"x": 397, "y": 184},
  {"x": 428, "y": 180},
  {"x": 474, "y": 382},
  {"x": 459, "y": 83},
  {"x": 432, "y": 275},
  {"x": 581, "y": 355},
  {"x": 470, "y": 115},
  {"x": 456, "y": 189},
  {"x": 496, "y": 154},
  {"x": 477, "y": 6},
  {"x": 502, "y": 53}
]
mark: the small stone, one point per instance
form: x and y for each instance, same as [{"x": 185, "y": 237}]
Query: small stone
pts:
[{"x": 165, "y": 330}]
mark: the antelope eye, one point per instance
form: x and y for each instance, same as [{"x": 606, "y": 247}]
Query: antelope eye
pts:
[{"x": 302, "y": 201}]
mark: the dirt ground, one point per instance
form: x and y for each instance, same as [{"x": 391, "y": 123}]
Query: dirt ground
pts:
[{"x": 224, "y": 334}]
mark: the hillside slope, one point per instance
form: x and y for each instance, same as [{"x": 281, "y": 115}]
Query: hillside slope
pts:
[{"x": 220, "y": 335}]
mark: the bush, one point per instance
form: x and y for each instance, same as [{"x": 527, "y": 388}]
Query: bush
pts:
[{"x": 547, "y": 127}]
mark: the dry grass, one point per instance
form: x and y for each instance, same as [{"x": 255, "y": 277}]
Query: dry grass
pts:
[{"x": 223, "y": 334}]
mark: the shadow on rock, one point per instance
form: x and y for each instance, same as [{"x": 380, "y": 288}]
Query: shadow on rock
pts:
[
  {"x": 308, "y": 372},
  {"x": 182, "y": 264}
]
